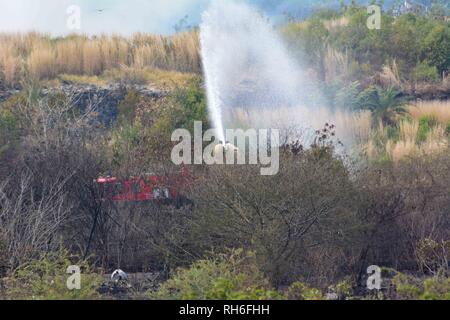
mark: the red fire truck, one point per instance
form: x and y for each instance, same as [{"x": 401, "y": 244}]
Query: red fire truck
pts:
[{"x": 161, "y": 189}]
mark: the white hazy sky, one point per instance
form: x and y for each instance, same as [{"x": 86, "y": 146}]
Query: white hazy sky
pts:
[
  {"x": 122, "y": 16},
  {"x": 128, "y": 16}
]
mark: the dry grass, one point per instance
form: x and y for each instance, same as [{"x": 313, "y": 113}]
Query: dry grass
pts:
[
  {"x": 409, "y": 130},
  {"x": 401, "y": 149},
  {"x": 95, "y": 80},
  {"x": 179, "y": 52},
  {"x": 45, "y": 57},
  {"x": 167, "y": 79},
  {"x": 68, "y": 56},
  {"x": 162, "y": 79},
  {"x": 407, "y": 144},
  {"x": 437, "y": 141},
  {"x": 41, "y": 61},
  {"x": 351, "y": 128},
  {"x": 336, "y": 63},
  {"x": 115, "y": 51},
  {"x": 334, "y": 24},
  {"x": 390, "y": 76},
  {"x": 438, "y": 109},
  {"x": 92, "y": 58},
  {"x": 9, "y": 62}
]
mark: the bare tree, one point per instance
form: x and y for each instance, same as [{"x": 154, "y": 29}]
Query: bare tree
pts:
[{"x": 31, "y": 223}]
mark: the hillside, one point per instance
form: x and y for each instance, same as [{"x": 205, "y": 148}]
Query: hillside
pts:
[{"x": 88, "y": 127}]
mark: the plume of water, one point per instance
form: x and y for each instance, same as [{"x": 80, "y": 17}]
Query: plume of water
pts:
[
  {"x": 248, "y": 69},
  {"x": 252, "y": 81}
]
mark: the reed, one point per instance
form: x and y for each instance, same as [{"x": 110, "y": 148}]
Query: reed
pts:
[
  {"x": 45, "y": 57},
  {"x": 438, "y": 109}
]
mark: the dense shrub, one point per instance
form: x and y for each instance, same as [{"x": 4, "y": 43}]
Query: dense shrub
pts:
[
  {"x": 412, "y": 288},
  {"x": 417, "y": 42},
  {"x": 301, "y": 291},
  {"x": 436, "y": 46},
  {"x": 190, "y": 106},
  {"x": 426, "y": 123},
  {"x": 233, "y": 276},
  {"x": 425, "y": 72},
  {"x": 46, "y": 279}
]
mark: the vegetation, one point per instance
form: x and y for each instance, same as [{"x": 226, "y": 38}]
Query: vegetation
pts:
[
  {"x": 46, "y": 277},
  {"x": 308, "y": 233},
  {"x": 234, "y": 276},
  {"x": 42, "y": 57}
]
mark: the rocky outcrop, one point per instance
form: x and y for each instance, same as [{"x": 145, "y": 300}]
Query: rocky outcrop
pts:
[{"x": 104, "y": 101}]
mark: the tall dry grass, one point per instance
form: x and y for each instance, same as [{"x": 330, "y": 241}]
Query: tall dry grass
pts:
[
  {"x": 409, "y": 130},
  {"x": 45, "y": 57},
  {"x": 407, "y": 145},
  {"x": 179, "y": 52},
  {"x": 390, "y": 75},
  {"x": 336, "y": 64},
  {"x": 10, "y": 62},
  {"x": 399, "y": 150},
  {"x": 41, "y": 61},
  {"x": 115, "y": 50},
  {"x": 440, "y": 110},
  {"x": 353, "y": 126},
  {"x": 92, "y": 58},
  {"x": 68, "y": 56}
]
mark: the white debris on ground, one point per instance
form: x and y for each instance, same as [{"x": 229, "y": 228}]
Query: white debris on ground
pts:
[{"x": 119, "y": 275}]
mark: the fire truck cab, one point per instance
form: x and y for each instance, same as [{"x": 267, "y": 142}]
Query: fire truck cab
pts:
[{"x": 164, "y": 189}]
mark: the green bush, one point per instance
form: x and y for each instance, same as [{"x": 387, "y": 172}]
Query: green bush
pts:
[
  {"x": 46, "y": 279},
  {"x": 447, "y": 128},
  {"x": 392, "y": 133},
  {"x": 425, "y": 72},
  {"x": 411, "y": 288},
  {"x": 125, "y": 139},
  {"x": 406, "y": 287},
  {"x": 342, "y": 289},
  {"x": 436, "y": 288},
  {"x": 190, "y": 105},
  {"x": 8, "y": 130},
  {"x": 426, "y": 123},
  {"x": 233, "y": 276},
  {"x": 407, "y": 39},
  {"x": 301, "y": 291},
  {"x": 436, "y": 46},
  {"x": 127, "y": 107}
]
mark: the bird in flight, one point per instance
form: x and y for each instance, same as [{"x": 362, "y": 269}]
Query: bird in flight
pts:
[{"x": 100, "y": 10}]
